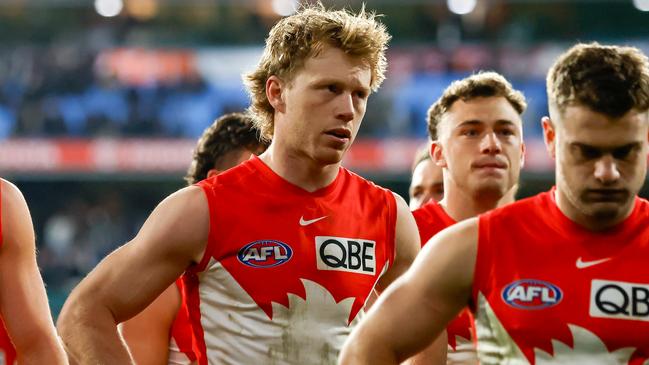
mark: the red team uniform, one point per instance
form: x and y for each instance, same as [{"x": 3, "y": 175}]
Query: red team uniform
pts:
[
  {"x": 181, "y": 344},
  {"x": 431, "y": 218},
  {"x": 549, "y": 291},
  {"x": 7, "y": 350},
  {"x": 286, "y": 272}
]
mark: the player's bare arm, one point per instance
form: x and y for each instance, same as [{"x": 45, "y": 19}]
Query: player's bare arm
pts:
[
  {"x": 173, "y": 238},
  {"x": 406, "y": 244},
  {"x": 147, "y": 334},
  {"x": 435, "y": 354},
  {"x": 416, "y": 308},
  {"x": 23, "y": 301}
]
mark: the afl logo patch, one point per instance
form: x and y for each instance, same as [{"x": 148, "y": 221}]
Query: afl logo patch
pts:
[
  {"x": 265, "y": 253},
  {"x": 532, "y": 294}
]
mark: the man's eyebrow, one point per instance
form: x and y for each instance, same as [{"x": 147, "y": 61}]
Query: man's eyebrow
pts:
[
  {"x": 606, "y": 148},
  {"x": 477, "y": 122}
]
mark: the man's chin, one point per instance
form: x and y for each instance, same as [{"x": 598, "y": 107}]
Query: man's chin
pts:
[
  {"x": 491, "y": 189},
  {"x": 330, "y": 157},
  {"x": 606, "y": 211}
]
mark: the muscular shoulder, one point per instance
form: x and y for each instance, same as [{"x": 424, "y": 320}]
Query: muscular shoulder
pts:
[
  {"x": 181, "y": 222},
  {"x": 184, "y": 206}
]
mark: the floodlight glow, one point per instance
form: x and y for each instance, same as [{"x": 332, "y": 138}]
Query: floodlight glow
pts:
[
  {"x": 108, "y": 8},
  {"x": 285, "y": 7},
  {"x": 642, "y": 5},
  {"x": 461, "y": 7}
]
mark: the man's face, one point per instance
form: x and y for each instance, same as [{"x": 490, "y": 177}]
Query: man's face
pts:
[
  {"x": 601, "y": 161},
  {"x": 481, "y": 146},
  {"x": 427, "y": 183},
  {"x": 323, "y": 105}
]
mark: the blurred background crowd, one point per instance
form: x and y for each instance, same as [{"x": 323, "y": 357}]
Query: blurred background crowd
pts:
[{"x": 101, "y": 101}]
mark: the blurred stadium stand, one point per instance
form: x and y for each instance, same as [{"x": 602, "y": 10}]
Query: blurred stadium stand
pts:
[{"x": 99, "y": 114}]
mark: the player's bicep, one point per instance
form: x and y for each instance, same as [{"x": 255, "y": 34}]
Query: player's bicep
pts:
[
  {"x": 416, "y": 308},
  {"x": 131, "y": 277},
  {"x": 443, "y": 271}
]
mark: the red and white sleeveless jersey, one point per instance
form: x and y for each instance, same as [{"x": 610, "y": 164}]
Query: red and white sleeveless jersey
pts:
[
  {"x": 431, "y": 218},
  {"x": 7, "y": 350},
  {"x": 181, "y": 342},
  {"x": 286, "y": 272},
  {"x": 548, "y": 291}
]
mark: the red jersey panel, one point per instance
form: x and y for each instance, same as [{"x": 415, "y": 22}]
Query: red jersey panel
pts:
[
  {"x": 7, "y": 350},
  {"x": 181, "y": 344},
  {"x": 549, "y": 291},
  {"x": 431, "y": 218},
  {"x": 286, "y": 272}
]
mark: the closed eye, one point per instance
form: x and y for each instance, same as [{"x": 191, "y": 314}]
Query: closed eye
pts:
[
  {"x": 622, "y": 153},
  {"x": 588, "y": 152}
]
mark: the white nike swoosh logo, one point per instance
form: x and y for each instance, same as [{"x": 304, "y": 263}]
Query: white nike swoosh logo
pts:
[
  {"x": 584, "y": 264},
  {"x": 306, "y": 223}
]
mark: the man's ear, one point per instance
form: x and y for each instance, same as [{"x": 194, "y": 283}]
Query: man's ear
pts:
[
  {"x": 549, "y": 136},
  {"x": 437, "y": 154},
  {"x": 274, "y": 89}
]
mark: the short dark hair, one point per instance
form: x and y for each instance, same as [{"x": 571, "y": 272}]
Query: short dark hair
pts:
[
  {"x": 229, "y": 133},
  {"x": 608, "y": 79}
]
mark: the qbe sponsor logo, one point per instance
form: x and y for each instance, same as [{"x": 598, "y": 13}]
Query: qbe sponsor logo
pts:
[
  {"x": 619, "y": 299},
  {"x": 265, "y": 253},
  {"x": 346, "y": 254},
  {"x": 531, "y": 294}
]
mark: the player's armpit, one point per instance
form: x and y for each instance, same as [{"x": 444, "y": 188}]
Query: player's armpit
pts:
[
  {"x": 417, "y": 307},
  {"x": 172, "y": 238}
]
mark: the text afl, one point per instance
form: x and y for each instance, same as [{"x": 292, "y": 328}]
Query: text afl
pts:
[
  {"x": 265, "y": 253},
  {"x": 532, "y": 294}
]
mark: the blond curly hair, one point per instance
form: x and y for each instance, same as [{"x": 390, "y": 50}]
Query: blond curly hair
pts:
[{"x": 302, "y": 35}]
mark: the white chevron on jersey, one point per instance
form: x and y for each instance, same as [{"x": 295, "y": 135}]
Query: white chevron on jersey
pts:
[
  {"x": 238, "y": 331},
  {"x": 495, "y": 346}
]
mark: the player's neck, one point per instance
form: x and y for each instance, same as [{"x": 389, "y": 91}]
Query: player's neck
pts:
[
  {"x": 299, "y": 170},
  {"x": 461, "y": 205}
]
